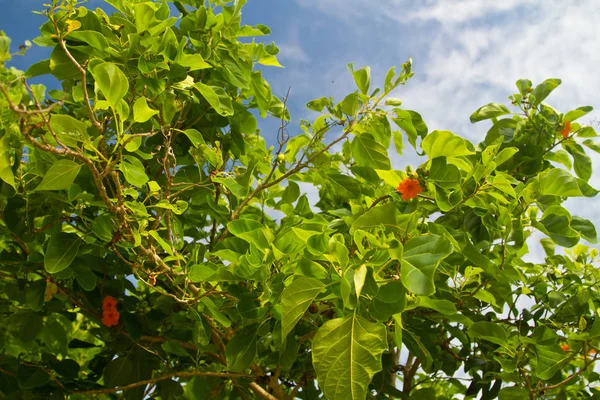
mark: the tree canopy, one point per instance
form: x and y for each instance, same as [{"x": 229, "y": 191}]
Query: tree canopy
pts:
[{"x": 154, "y": 244}]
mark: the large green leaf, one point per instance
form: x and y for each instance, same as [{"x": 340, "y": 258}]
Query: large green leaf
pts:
[
  {"x": 542, "y": 90},
  {"x": 558, "y": 182},
  {"x": 582, "y": 163},
  {"x": 420, "y": 260},
  {"x": 346, "y": 353},
  {"x": 69, "y": 130},
  {"x": 60, "y": 176},
  {"x": 489, "y": 331},
  {"x": 445, "y": 144},
  {"x": 111, "y": 82},
  {"x": 376, "y": 217},
  {"x": 295, "y": 300},
  {"x": 241, "y": 349},
  {"x": 6, "y": 173},
  {"x": 577, "y": 113},
  {"x": 550, "y": 359},
  {"x": 443, "y": 174},
  {"x": 370, "y": 153},
  {"x": 488, "y": 111},
  {"x": 61, "y": 251}
]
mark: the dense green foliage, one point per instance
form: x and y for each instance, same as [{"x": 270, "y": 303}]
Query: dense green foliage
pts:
[{"x": 145, "y": 179}]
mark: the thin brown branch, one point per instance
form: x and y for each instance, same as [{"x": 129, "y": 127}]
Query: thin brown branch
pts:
[
  {"x": 189, "y": 374},
  {"x": 256, "y": 388}
]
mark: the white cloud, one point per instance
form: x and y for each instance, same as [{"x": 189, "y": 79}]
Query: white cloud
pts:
[{"x": 293, "y": 52}]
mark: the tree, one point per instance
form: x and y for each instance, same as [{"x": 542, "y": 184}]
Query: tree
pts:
[{"x": 139, "y": 258}]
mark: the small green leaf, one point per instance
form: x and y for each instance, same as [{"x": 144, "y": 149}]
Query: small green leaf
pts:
[
  {"x": 141, "y": 111},
  {"x": 492, "y": 110},
  {"x": 362, "y": 77},
  {"x": 134, "y": 171},
  {"x": 216, "y": 97}
]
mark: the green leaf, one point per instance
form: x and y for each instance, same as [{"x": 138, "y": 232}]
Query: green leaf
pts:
[
  {"x": 195, "y": 137},
  {"x": 216, "y": 97},
  {"x": 60, "y": 176},
  {"x": 377, "y": 216},
  {"x": 504, "y": 155},
  {"x": 592, "y": 145},
  {"x": 390, "y": 300},
  {"x": 577, "y": 113},
  {"x": 370, "y": 153},
  {"x": 445, "y": 144},
  {"x": 262, "y": 92},
  {"x": 134, "y": 171},
  {"x": 585, "y": 227},
  {"x": 93, "y": 38},
  {"x": 444, "y": 307},
  {"x": 513, "y": 393},
  {"x": 346, "y": 353},
  {"x": 444, "y": 175},
  {"x": 582, "y": 163},
  {"x": 141, "y": 111},
  {"x": 362, "y": 77},
  {"x": 111, "y": 82},
  {"x": 542, "y": 90},
  {"x": 119, "y": 372},
  {"x": 61, "y": 251},
  {"x": 550, "y": 360},
  {"x": 420, "y": 260},
  {"x": 295, "y": 300},
  {"x": 492, "y": 110},
  {"x": 558, "y": 182},
  {"x": 241, "y": 349},
  {"x": 69, "y": 130},
  {"x": 31, "y": 377},
  {"x": 6, "y": 173},
  {"x": 489, "y": 331}
]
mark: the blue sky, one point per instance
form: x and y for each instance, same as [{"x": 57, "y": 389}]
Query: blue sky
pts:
[{"x": 466, "y": 53}]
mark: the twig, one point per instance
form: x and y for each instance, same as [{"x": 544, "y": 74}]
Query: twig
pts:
[{"x": 189, "y": 374}]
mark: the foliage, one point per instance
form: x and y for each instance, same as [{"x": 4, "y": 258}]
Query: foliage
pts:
[{"x": 141, "y": 195}]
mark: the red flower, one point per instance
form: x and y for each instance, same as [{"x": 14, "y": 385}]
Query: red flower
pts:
[
  {"x": 109, "y": 303},
  {"x": 566, "y": 130},
  {"x": 110, "y": 317},
  {"x": 409, "y": 189}
]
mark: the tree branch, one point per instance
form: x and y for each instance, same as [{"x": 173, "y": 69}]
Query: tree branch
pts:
[{"x": 189, "y": 374}]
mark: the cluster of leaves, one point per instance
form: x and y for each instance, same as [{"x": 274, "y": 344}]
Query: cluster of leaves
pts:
[{"x": 145, "y": 184}]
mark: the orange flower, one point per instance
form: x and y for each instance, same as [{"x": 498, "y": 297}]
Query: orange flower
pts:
[
  {"x": 564, "y": 347},
  {"x": 566, "y": 130},
  {"x": 110, "y": 317},
  {"x": 109, "y": 303},
  {"x": 409, "y": 189}
]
